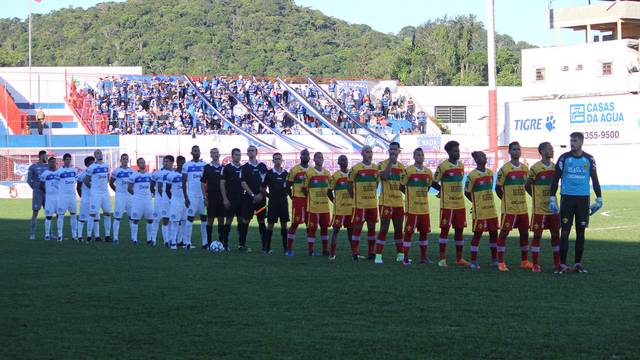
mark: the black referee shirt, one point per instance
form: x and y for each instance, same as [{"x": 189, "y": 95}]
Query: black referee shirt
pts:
[
  {"x": 231, "y": 175},
  {"x": 276, "y": 183},
  {"x": 211, "y": 176},
  {"x": 253, "y": 175}
]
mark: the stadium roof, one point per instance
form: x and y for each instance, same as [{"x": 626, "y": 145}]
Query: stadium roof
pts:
[{"x": 621, "y": 18}]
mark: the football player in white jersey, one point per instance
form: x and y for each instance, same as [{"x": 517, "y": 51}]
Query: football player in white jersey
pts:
[
  {"x": 67, "y": 196},
  {"x": 193, "y": 197},
  {"x": 97, "y": 179},
  {"x": 49, "y": 185},
  {"x": 85, "y": 202},
  {"x": 173, "y": 189},
  {"x": 140, "y": 189},
  {"x": 159, "y": 201},
  {"x": 119, "y": 183}
]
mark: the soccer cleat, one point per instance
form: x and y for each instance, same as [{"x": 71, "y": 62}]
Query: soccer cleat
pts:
[
  {"x": 371, "y": 257},
  {"x": 244, "y": 249},
  {"x": 579, "y": 268},
  {"x": 406, "y": 263},
  {"x": 269, "y": 252},
  {"x": 149, "y": 242},
  {"x": 502, "y": 267},
  {"x": 427, "y": 261},
  {"x": 289, "y": 253},
  {"x": 326, "y": 253},
  {"x": 98, "y": 239},
  {"x": 116, "y": 242},
  {"x": 188, "y": 247},
  {"x": 32, "y": 237},
  {"x": 206, "y": 247},
  {"x": 400, "y": 257},
  {"x": 312, "y": 253},
  {"x": 181, "y": 244},
  {"x": 107, "y": 238},
  {"x": 74, "y": 239},
  {"x": 59, "y": 239},
  {"x": 563, "y": 269},
  {"x": 135, "y": 242},
  {"x": 494, "y": 263},
  {"x": 332, "y": 257},
  {"x": 443, "y": 263},
  {"x": 166, "y": 244},
  {"x": 536, "y": 268},
  {"x": 474, "y": 265},
  {"x": 89, "y": 239},
  {"x": 378, "y": 259},
  {"x": 355, "y": 257},
  {"x": 47, "y": 238},
  {"x": 462, "y": 262},
  {"x": 526, "y": 264},
  {"x": 174, "y": 246}
]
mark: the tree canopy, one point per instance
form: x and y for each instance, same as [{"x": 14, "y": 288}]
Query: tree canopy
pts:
[{"x": 257, "y": 37}]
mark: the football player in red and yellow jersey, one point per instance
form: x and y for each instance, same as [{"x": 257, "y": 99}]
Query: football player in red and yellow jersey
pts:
[
  {"x": 316, "y": 185},
  {"x": 363, "y": 187},
  {"x": 479, "y": 190},
  {"x": 510, "y": 189},
  {"x": 391, "y": 175},
  {"x": 542, "y": 218},
  {"x": 295, "y": 181},
  {"x": 452, "y": 209},
  {"x": 342, "y": 202}
]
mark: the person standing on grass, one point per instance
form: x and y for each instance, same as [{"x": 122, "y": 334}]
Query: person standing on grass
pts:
[
  {"x": 538, "y": 186},
  {"x": 342, "y": 203},
  {"x": 193, "y": 197},
  {"x": 295, "y": 181},
  {"x": 575, "y": 169},
  {"x": 253, "y": 202},
  {"x": 231, "y": 192},
  {"x": 49, "y": 187},
  {"x": 316, "y": 185},
  {"x": 66, "y": 196},
  {"x": 210, "y": 181},
  {"x": 85, "y": 203},
  {"x": 37, "y": 199},
  {"x": 97, "y": 179},
  {"x": 119, "y": 183},
  {"x": 363, "y": 188},
  {"x": 278, "y": 208},
  {"x": 140, "y": 189},
  {"x": 177, "y": 209}
]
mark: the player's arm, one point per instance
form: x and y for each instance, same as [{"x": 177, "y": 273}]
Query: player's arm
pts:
[
  {"x": 436, "y": 186},
  {"x": 290, "y": 178},
  {"x": 528, "y": 186},
  {"x": 79, "y": 188},
  {"x": 130, "y": 188},
  {"x": 87, "y": 180},
  {"x": 557, "y": 175},
  {"x": 42, "y": 187},
  {"x": 31, "y": 177},
  {"x": 499, "y": 184},
  {"x": 265, "y": 184},
  {"x": 467, "y": 189},
  {"x": 245, "y": 186},
  {"x": 305, "y": 184},
  {"x": 152, "y": 187},
  {"x": 594, "y": 179},
  {"x": 112, "y": 183},
  {"x": 385, "y": 172},
  {"x": 203, "y": 183},
  {"x": 184, "y": 188},
  {"x": 223, "y": 188},
  {"x": 167, "y": 190}
]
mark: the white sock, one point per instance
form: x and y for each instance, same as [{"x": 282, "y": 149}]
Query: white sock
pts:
[
  {"x": 107, "y": 225},
  {"x": 116, "y": 229},
  {"x": 96, "y": 227},
  {"x": 154, "y": 230},
  {"x": 74, "y": 226},
  {"x": 188, "y": 230},
  {"x": 203, "y": 231},
  {"x": 60, "y": 225},
  {"x": 47, "y": 228},
  {"x": 180, "y": 232},
  {"x": 150, "y": 229},
  {"x": 173, "y": 232},
  {"x": 80, "y": 229},
  {"x": 134, "y": 232},
  {"x": 165, "y": 233},
  {"x": 90, "y": 227}
]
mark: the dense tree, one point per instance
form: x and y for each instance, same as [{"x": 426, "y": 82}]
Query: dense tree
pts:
[{"x": 261, "y": 37}]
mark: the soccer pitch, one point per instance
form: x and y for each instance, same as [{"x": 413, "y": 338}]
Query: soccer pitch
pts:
[{"x": 70, "y": 300}]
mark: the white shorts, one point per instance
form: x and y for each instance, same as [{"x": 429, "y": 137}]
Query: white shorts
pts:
[
  {"x": 123, "y": 205},
  {"x": 100, "y": 201},
  {"x": 50, "y": 205},
  {"x": 160, "y": 208},
  {"x": 141, "y": 208},
  {"x": 177, "y": 210},
  {"x": 67, "y": 202},
  {"x": 85, "y": 204},
  {"x": 196, "y": 206}
]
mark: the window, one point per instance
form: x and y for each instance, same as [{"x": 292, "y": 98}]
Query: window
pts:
[
  {"x": 539, "y": 74},
  {"x": 451, "y": 114},
  {"x": 564, "y": 68},
  {"x": 578, "y": 67},
  {"x": 606, "y": 68}
]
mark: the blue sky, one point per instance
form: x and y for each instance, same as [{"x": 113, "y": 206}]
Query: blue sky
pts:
[{"x": 522, "y": 19}]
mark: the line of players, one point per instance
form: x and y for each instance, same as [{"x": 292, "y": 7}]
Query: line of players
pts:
[{"x": 241, "y": 191}]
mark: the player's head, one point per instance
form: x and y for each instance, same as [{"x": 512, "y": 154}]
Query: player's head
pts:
[
  {"x": 367, "y": 153},
  {"x": 180, "y": 160},
  {"x": 514, "y": 150},
  {"x": 545, "y": 150},
  {"x": 98, "y": 155},
  {"x": 167, "y": 162},
  {"x": 576, "y": 140},
  {"x": 215, "y": 154},
  {"x": 453, "y": 150},
  {"x": 124, "y": 160},
  {"x": 479, "y": 157},
  {"x": 195, "y": 152},
  {"x": 142, "y": 165},
  {"x": 51, "y": 162},
  {"x": 66, "y": 159},
  {"x": 418, "y": 156},
  {"x": 42, "y": 156},
  {"x": 252, "y": 152},
  {"x": 343, "y": 161},
  {"x": 394, "y": 148},
  {"x": 277, "y": 160},
  {"x": 318, "y": 159},
  {"x": 236, "y": 155},
  {"x": 304, "y": 157},
  {"x": 89, "y": 160}
]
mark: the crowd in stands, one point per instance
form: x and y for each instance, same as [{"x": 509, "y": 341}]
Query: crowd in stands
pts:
[{"x": 170, "y": 105}]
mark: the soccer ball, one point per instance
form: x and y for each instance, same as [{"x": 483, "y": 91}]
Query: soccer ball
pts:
[{"x": 216, "y": 247}]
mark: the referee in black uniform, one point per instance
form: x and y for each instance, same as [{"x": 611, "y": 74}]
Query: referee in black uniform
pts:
[
  {"x": 252, "y": 175},
  {"x": 278, "y": 209},
  {"x": 231, "y": 192},
  {"x": 210, "y": 179}
]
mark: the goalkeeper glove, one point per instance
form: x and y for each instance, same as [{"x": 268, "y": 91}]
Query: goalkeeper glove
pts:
[
  {"x": 553, "y": 205},
  {"x": 596, "y": 206}
]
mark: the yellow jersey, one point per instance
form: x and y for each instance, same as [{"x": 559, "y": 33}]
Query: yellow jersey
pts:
[
  {"x": 391, "y": 195},
  {"x": 364, "y": 179},
  {"x": 541, "y": 177},
  {"x": 512, "y": 179},
  {"x": 296, "y": 177},
  {"x": 342, "y": 201},
  {"x": 417, "y": 183},
  {"x": 317, "y": 183},
  {"x": 480, "y": 185},
  {"x": 450, "y": 177}
]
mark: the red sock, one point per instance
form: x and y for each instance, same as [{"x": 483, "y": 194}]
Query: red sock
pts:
[
  {"x": 524, "y": 244},
  {"x": 457, "y": 236},
  {"x": 475, "y": 245},
  {"x": 333, "y": 247},
  {"x": 406, "y": 245},
  {"x": 444, "y": 238},
  {"x": 371, "y": 240},
  {"x": 397, "y": 237},
  {"x": 493, "y": 238},
  {"x": 424, "y": 243},
  {"x": 325, "y": 239},
  {"x": 501, "y": 245},
  {"x": 555, "y": 246},
  {"x": 382, "y": 239},
  {"x": 291, "y": 235},
  {"x": 355, "y": 240},
  {"x": 311, "y": 244},
  {"x": 535, "y": 247}
]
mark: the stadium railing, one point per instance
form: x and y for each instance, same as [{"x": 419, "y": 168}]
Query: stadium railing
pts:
[
  {"x": 16, "y": 121},
  {"x": 82, "y": 104}
]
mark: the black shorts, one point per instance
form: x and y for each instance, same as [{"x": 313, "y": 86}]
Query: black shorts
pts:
[
  {"x": 571, "y": 207},
  {"x": 215, "y": 207},
  {"x": 235, "y": 209},
  {"x": 278, "y": 211},
  {"x": 248, "y": 208}
]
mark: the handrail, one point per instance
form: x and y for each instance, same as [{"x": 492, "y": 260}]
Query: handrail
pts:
[{"x": 16, "y": 122}]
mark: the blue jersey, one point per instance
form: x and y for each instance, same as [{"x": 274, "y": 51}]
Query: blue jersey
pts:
[{"x": 575, "y": 173}]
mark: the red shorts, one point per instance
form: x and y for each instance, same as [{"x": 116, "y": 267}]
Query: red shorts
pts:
[
  {"x": 339, "y": 221},
  {"x": 391, "y": 212},
  {"x": 362, "y": 215},
  {"x": 299, "y": 210},
  {"x": 483, "y": 225},
  {"x": 453, "y": 217},
  {"x": 545, "y": 222},
  {"x": 419, "y": 222},
  {"x": 511, "y": 221},
  {"x": 315, "y": 219}
]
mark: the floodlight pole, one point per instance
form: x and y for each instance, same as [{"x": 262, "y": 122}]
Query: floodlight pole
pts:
[{"x": 493, "y": 102}]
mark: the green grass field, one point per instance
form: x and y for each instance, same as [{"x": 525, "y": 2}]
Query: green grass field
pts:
[{"x": 68, "y": 300}]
